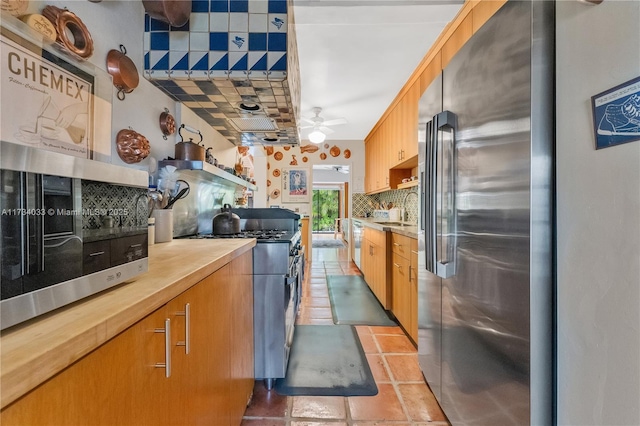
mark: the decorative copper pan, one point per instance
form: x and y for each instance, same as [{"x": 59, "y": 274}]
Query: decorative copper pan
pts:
[
  {"x": 132, "y": 147},
  {"x": 167, "y": 124},
  {"x": 174, "y": 12},
  {"x": 124, "y": 71},
  {"x": 73, "y": 34}
]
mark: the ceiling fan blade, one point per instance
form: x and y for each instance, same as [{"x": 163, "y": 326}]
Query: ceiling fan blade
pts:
[
  {"x": 307, "y": 120},
  {"x": 334, "y": 122},
  {"x": 326, "y": 130},
  {"x": 306, "y": 127}
]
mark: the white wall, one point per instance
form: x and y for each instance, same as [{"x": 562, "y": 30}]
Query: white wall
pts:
[
  {"x": 598, "y": 211},
  {"x": 112, "y": 23}
]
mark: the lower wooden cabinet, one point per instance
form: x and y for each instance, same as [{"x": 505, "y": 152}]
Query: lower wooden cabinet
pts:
[
  {"x": 374, "y": 264},
  {"x": 188, "y": 363},
  {"x": 405, "y": 282}
]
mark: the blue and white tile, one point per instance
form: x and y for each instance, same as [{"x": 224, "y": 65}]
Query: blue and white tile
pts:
[
  {"x": 278, "y": 22},
  {"x": 146, "y": 42},
  {"x": 198, "y": 61},
  {"x": 199, "y": 75},
  {"x": 277, "y": 75},
  {"x": 180, "y": 75},
  {"x": 239, "y": 22},
  {"x": 257, "y": 61},
  {"x": 238, "y": 61},
  {"x": 159, "y": 60},
  {"x": 199, "y": 41},
  {"x": 219, "y": 22},
  {"x": 238, "y": 42},
  {"x": 277, "y": 42},
  {"x": 179, "y": 41},
  {"x": 216, "y": 58},
  {"x": 258, "y": 22},
  {"x": 179, "y": 60},
  {"x": 258, "y": 6},
  {"x": 199, "y": 22}
]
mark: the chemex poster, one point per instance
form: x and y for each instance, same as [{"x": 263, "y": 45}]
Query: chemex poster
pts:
[
  {"x": 295, "y": 185},
  {"x": 45, "y": 102}
]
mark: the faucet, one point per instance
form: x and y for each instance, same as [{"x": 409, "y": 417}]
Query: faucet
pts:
[
  {"x": 404, "y": 204},
  {"x": 137, "y": 201}
]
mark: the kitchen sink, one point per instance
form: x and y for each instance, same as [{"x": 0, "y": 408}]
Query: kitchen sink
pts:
[{"x": 390, "y": 223}]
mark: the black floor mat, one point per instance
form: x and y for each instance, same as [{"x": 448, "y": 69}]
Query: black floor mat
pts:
[
  {"x": 327, "y": 360},
  {"x": 352, "y": 302}
]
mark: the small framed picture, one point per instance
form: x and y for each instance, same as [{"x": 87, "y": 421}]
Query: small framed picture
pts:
[
  {"x": 616, "y": 114},
  {"x": 295, "y": 185}
]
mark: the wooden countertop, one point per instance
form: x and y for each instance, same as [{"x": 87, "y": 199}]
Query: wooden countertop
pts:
[
  {"x": 34, "y": 351},
  {"x": 408, "y": 229}
]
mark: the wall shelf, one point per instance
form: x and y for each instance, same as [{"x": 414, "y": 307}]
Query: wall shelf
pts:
[
  {"x": 206, "y": 170},
  {"x": 409, "y": 184}
]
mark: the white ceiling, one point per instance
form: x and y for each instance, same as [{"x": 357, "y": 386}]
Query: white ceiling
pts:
[{"x": 355, "y": 55}]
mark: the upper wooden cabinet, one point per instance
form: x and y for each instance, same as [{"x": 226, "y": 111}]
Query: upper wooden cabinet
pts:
[{"x": 391, "y": 148}]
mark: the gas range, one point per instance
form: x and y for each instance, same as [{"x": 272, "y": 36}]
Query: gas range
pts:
[{"x": 262, "y": 235}]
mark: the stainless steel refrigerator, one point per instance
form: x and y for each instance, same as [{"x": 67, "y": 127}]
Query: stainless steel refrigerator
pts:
[{"x": 485, "y": 280}]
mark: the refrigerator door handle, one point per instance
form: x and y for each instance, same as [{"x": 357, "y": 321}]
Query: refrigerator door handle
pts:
[
  {"x": 429, "y": 191},
  {"x": 445, "y": 181}
]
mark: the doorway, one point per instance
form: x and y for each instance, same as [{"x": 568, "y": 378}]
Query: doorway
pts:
[{"x": 325, "y": 209}]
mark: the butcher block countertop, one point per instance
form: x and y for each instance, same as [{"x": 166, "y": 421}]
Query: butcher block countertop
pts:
[{"x": 34, "y": 351}]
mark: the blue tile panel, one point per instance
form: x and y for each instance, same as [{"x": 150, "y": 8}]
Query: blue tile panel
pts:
[
  {"x": 248, "y": 30},
  {"x": 230, "y": 51}
]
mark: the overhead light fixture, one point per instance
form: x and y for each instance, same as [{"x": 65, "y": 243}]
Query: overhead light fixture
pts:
[{"x": 317, "y": 136}]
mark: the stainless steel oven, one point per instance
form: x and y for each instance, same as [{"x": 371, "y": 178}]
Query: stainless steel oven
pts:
[{"x": 41, "y": 234}]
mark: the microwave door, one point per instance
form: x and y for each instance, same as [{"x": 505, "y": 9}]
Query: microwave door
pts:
[{"x": 13, "y": 230}]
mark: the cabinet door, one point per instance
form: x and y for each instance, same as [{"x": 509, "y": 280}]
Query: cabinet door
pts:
[
  {"x": 117, "y": 384},
  {"x": 241, "y": 334},
  {"x": 401, "y": 290},
  {"x": 413, "y": 277}
]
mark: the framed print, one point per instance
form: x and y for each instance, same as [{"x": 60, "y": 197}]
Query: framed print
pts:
[
  {"x": 295, "y": 185},
  {"x": 616, "y": 114},
  {"x": 49, "y": 101}
]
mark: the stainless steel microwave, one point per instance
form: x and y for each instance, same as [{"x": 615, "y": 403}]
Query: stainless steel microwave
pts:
[{"x": 47, "y": 260}]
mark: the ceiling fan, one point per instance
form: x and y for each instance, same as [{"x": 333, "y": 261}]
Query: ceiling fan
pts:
[{"x": 320, "y": 126}]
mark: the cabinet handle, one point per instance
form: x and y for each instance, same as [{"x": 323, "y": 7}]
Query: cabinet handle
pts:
[
  {"x": 187, "y": 328},
  {"x": 98, "y": 253},
  {"x": 396, "y": 244},
  {"x": 135, "y": 245},
  {"x": 414, "y": 252},
  {"x": 402, "y": 154},
  {"x": 396, "y": 265},
  {"x": 167, "y": 348},
  {"x": 409, "y": 273}
]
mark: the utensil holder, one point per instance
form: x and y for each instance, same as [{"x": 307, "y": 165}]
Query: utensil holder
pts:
[{"x": 164, "y": 225}]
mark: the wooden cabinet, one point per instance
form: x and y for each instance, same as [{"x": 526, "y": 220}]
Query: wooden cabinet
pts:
[
  {"x": 404, "y": 282},
  {"x": 305, "y": 230},
  {"x": 391, "y": 148},
  {"x": 374, "y": 264},
  {"x": 208, "y": 351}
]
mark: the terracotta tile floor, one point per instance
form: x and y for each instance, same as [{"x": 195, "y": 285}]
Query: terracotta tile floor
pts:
[{"x": 403, "y": 397}]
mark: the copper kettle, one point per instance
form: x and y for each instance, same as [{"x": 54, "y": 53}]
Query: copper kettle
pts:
[{"x": 189, "y": 150}]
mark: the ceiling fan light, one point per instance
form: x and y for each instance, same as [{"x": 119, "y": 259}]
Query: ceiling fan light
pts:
[{"x": 317, "y": 136}]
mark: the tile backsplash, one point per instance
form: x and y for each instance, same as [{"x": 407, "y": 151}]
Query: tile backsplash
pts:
[
  {"x": 363, "y": 204},
  {"x": 128, "y": 205}
]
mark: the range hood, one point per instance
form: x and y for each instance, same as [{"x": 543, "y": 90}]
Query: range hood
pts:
[{"x": 235, "y": 64}]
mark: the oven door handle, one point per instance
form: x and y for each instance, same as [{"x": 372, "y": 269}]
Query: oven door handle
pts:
[{"x": 293, "y": 269}]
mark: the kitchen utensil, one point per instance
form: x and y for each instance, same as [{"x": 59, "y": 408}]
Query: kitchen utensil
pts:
[
  {"x": 311, "y": 148},
  {"x": 132, "y": 147},
  {"x": 173, "y": 12},
  {"x": 276, "y": 172},
  {"x": 108, "y": 221},
  {"x": 189, "y": 150},
  {"x": 124, "y": 71},
  {"x": 183, "y": 193},
  {"x": 41, "y": 25},
  {"x": 347, "y": 153},
  {"x": 226, "y": 222},
  {"x": 278, "y": 156},
  {"x": 167, "y": 124},
  {"x": 14, "y": 7},
  {"x": 323, "y": 156},
  {"x": 73, "y": 34},
  {"x": 335, "y": 151}
]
